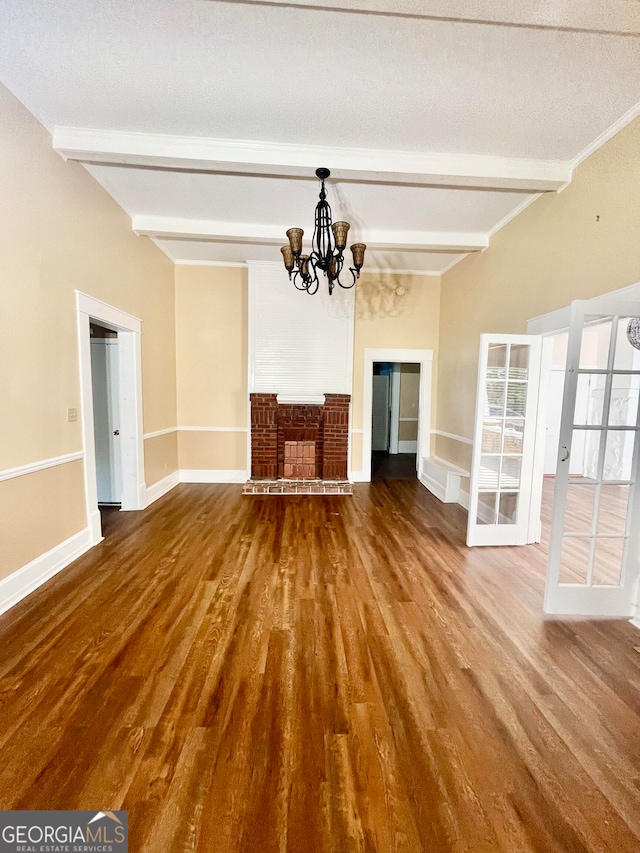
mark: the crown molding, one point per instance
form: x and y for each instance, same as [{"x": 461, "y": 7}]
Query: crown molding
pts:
[
  {"x": 190, "y": 262},
  {"x": 607, "y": 134},
  {"x": 249, "y": 157},
  {"x": 513, "y": 213},
  {"x": 607, "y": 17},
  {"x": 173, "y": 227},
  {"x": 393, "y": 271}
]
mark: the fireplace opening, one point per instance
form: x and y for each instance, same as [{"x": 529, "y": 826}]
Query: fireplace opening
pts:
[{"x": 300, "y": 460}]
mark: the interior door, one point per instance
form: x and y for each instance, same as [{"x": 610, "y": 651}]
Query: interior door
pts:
[
  {"x": 380, "y": 414},
  {"x": 593, "y": 551},
  {"x": 504, "y": 439},
  {"x": 106, "y": 408}
]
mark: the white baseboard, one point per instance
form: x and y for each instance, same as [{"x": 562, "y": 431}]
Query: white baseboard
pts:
[
  {"x": 359, "y": 477},
  {"x": 441, "y": 478},
  {"x": 635, "y": 621},
  {"x": 157, "y": 490},
  {"x": 407, "y": 447},
  {"x": 25, "y": 580},
  {"x": 433, "y": 486},
  {"x": 212, "y": 475},
  {"x": 95, "y": 526}
]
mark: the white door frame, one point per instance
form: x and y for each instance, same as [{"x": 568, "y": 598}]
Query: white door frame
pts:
[
  {"x": 423, "y": 357},
  {"x": 130, "y": 375},
  {"x": 395, "y": 409}
]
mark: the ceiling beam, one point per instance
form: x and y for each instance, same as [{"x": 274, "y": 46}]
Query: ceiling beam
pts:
[
  {"x": 163, "y": 227},
  {"x": 470, "y": 171},
  {"x": 611, "y": 17}
]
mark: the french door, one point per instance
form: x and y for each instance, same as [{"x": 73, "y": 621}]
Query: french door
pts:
[
  {"x": 504, "y": 439},
  {"x": 595, "y": 532}
]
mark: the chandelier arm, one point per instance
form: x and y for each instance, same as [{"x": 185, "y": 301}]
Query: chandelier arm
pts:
[
  {"x": 308, "y": 283},
  {"x": 314, "y": 281},
  {"x": 355, "y": 275}
]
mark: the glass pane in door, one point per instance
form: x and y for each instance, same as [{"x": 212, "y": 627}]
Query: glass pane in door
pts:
[
  {"x": 589, "y": 399},
  {"x": 594, "y": 348},
  {"x": 618, "y": 457},
  {"x": 579, "y": 508},
  {"x": 625, "y": 390},
  {"x": 496, "y": 361},
  {"x": 607, "y": 561},
  {"x": 574, "y": 559},
  {"x": 612, "y": 509}
]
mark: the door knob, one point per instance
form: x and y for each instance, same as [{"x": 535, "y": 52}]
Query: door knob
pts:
[{"x": 116, "y": 432}]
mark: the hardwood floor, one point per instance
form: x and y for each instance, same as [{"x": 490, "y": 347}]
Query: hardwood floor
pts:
[
  {"x": 393, "y": 466},
  {"x": 319, "y": 674}
]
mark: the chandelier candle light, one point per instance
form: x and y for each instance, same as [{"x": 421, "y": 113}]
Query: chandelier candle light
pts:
[{"x": 327, "y": 245}]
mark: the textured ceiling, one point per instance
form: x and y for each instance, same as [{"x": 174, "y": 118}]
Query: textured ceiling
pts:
[{"x": 304, "y": 76}]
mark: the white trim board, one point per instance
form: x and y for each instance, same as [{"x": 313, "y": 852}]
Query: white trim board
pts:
[
  {"x": 157, "y": 490},
  {"x": 43, "y": 464},
  {"x": 407, "y": 446},
  {"x": 211, "y": 475},
  {"x": 25, "y": 580},
  {"x": 452, "y": 435},
  {"x": 169, "y": 430},
  {"x": 257, "y": 157},
  {"x": 175, "y": 227},
  {"x": 558, "y": 321},
  {"x": 157, "y": 433},
  {"x": 211, "y": 429},
  {"x": 188, "y": 262}
]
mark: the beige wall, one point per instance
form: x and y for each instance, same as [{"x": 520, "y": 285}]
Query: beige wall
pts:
[
  {"x": 160, "y": 457},
  {"x": 61, "y": 232},
  {"x": 397, "y": 312},
  {"x": 576, "y": 244},
  {"x": 211, "y": 358},
  {"x": 409, "y": 400},
  {"x": 45, "y": 508}
]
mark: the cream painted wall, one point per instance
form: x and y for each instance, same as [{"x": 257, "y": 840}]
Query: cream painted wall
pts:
[
  {"x": 409, "y": 399},
  {"x": 576, "y": 244},
  {"x": 211, "y": 358},
  {"x": 160, "y": 456},
  {"x": 61, "y": 232},
  {"x": 395, "y": 311}
]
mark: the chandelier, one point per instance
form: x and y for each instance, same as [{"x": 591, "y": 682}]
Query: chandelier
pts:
[{"x": 327, "y": 246}]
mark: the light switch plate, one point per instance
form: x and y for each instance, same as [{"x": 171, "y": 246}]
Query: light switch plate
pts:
[{"x": 72, "y": 416}]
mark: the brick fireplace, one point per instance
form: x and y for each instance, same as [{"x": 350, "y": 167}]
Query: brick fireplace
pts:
[{"x": 306, "y": 443}]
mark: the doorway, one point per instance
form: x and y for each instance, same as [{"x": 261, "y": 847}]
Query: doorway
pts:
[
  {"x": 394, "y": 420},
  {"x": 127, "y": 375},
  {"x": 106, "y": 421}
]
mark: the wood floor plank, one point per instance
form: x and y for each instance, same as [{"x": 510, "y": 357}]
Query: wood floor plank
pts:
[{"x": 289, "y": 674}]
